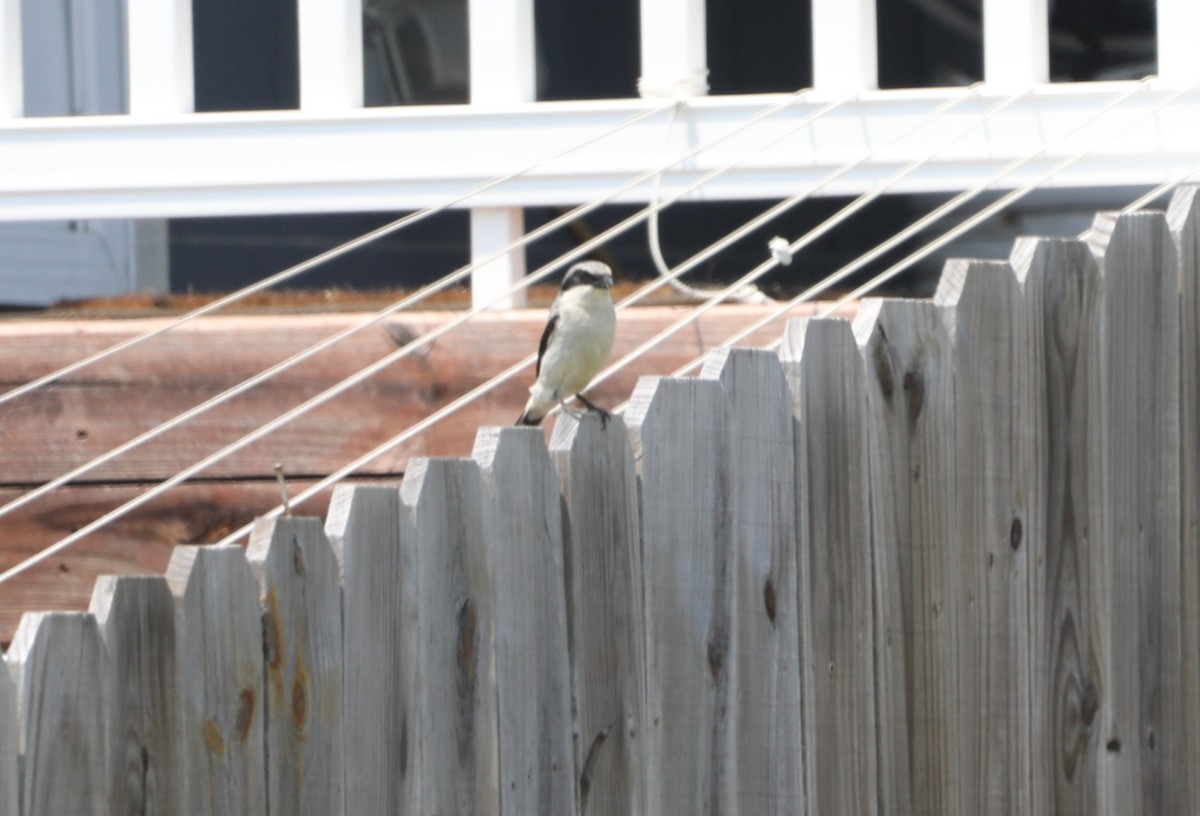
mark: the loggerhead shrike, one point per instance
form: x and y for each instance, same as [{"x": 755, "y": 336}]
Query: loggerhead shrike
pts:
[{"x": 576, "y": 342}]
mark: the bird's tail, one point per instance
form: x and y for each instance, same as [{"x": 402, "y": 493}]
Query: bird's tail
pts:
[
  {"x": 537, "y": 407},
  {"x": 526, "y": 419}
]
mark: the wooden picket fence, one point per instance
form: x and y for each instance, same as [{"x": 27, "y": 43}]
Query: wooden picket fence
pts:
[{"x": 942, "y": 561}]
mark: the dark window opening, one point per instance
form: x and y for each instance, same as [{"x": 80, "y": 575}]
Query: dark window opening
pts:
[
  {"x": 759, "y": 46},
  {"x": 245, "y": 55},
  {"x": 587, "y": 50}
]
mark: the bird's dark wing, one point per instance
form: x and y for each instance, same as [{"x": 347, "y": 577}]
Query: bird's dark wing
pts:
[{"x": 546, "y": 335}]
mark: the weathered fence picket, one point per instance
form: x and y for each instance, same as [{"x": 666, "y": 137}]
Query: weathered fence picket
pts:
[
  {"x": 1183, "y": 215},
  {"x": 136, "y": 616},
  {"x": 62, "y": 672},
  {"x": 458, "y": 766},
  {"x": 908, "y": 355},
  {"x": 680, "y": 428},
  {"x": 1061, "y": 288},
  {"x": 523, "y": 537},
  {"x": 220, "y": 640},
  {"x": 1141, "y": 703},
  {"x": 999, "y": 530},
  {"x": 942, "y": 561},
  {"x": 379, "y": 619},
  {"x": 828, "y": 397},
  {"x": 301, "y": 596},
  {"x": 9, "y": 733},
  {"x": 765, "y": 675},
  {"x": 602, "y": 562}
]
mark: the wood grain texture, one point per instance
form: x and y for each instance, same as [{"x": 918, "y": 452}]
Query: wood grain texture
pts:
[
  {"x": 458, "y": 764},
  {"x": 138, "y": 544},
  {"x": 762, "y": 560},
  {"x": 1000, "y": 532},
  {"x": 67, "y": 424},
  {"x": 1183, "y": 216},
  {"x": 301, "y": 597},
  {"x": 10, "y": 732},
  {"x": 1141, "y": 707},
  {"x": 522, "y": 516},
  {"x": 680, "y": 429},
  {"x": 602, "y": 562},
  {"x": 136, "y": 616},
  {"x": 379, "y": 614},
  {"x": 907, "y": 354},
  {"x": 829, "y": 401},
  {"x": 1061, "y": 288},
  {"x": 62, "y": 671},
  {"x": 221, "y": 655}
]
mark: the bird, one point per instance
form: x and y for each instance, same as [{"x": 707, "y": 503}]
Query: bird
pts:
[{"x": 575, "y": 344}]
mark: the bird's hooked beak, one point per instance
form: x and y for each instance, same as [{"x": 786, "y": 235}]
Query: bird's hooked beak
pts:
[{"x": 604, "y": 283}]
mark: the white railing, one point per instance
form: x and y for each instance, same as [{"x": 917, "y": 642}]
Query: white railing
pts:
[{"x": 163, "y": 160}]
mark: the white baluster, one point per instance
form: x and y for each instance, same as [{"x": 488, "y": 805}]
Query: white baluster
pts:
[
  {"x": 492, "y": 229},
  {"x": 1016, "y": 44},
  {"x": 845, "y": 52},
  {"x": 674, "y": 50},
  {"x": 331, "y": 54},
  {"x": 503, "y": 65},
  {"x": 12, "y": 97},
  {"x": 1178, "y": 37},
  {"x": 160, "y": 57},
  {"x": 503, "y": 72}
]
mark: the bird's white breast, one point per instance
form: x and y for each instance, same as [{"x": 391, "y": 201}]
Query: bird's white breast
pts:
[{"x": 582, "y": 340}]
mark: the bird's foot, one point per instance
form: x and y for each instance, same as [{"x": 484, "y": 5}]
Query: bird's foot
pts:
[{"x": 605, "y": 416}]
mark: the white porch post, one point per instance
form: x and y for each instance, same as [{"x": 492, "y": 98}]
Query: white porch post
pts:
[
  {"x": 1178, "y": 39},
  {"x": 160, "y": 57},
  {"x": 674, "y": 52},
  {"x": 1016, "y": 43},
  {"x": 503, "y": 72},
  {"x": 845, "y": 52},
  {"x": 331, "y": 54},
  {"x": 12, "y": 95}
]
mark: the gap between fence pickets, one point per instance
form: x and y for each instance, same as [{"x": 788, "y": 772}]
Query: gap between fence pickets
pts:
[{"x": 1022, "y": 635}]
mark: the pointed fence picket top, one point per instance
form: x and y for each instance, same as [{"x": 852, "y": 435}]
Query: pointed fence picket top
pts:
[
  {"x": 301, "y": 597},
  {"x": 221, "y": 656},
  {"x": 458, "y": 767},
  {"x": 1141, "y": 707},
  {"x": 62, "y": 672},
  {"x": 1000, "y": 529},
  {"x": 602, "y": 562},
  {"x": 136, "y": 616},
  {"x": 680, "y": 429},
  {"x": 9, "y": 735},
  {"x": 1183, "y": 215},
  {"x": 906, "y": 350},
  {"x": 766, "y": 673},
  {"x": 522, "y": 516},
  {"x": 828, "y": 398},
  {"x": 379, "y": 618},
  {"x": 1061, "y": 284}
]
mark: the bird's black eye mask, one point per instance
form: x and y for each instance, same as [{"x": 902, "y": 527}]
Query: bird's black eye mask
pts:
[{"x": 580, "y": 278}]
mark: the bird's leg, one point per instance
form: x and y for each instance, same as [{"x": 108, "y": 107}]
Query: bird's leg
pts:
[
  {"x": 571, "y": 412},
  {"x": 605, "y": 416}
]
